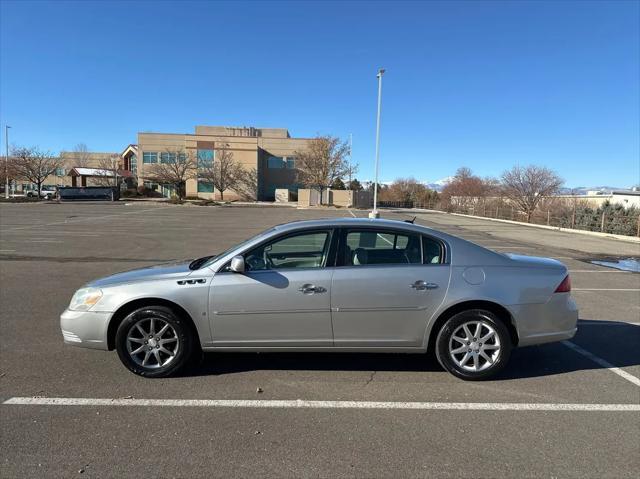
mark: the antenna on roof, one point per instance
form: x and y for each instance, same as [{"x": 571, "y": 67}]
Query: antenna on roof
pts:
[{"x": 411, "y": 220}]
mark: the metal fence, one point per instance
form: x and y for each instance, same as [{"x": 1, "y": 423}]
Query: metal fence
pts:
[{"x": 613, "y": 221}]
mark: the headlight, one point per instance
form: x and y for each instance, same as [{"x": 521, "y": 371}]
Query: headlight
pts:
[{"x": 85, "y": 299}]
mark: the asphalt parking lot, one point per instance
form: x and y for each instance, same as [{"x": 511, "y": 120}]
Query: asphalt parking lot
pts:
[{"x": 559, "y": 410}]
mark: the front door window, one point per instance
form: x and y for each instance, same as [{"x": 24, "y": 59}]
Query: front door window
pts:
[{"x": 306, "y": 250}]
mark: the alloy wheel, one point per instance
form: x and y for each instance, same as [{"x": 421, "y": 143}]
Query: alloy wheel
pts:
[
  {"x": 152, "y": 343},
  {"x": 474, "y": 346}
]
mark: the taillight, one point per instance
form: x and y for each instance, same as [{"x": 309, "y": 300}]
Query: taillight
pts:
[{"x": 565, "y": 286}]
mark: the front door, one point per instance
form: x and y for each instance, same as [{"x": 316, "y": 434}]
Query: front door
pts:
[
  {"x": 388, "y": 287},
  {"x": 283, "y": 298}
]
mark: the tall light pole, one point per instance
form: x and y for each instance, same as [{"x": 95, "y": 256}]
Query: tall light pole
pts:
[
  {"x": 374, "y": 213},
  {"x": 6, "y": 162},
  {"x": 350, "y": 153}
]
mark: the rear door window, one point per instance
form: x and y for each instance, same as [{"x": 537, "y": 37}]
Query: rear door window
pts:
[{"x": 377, "y": 247}]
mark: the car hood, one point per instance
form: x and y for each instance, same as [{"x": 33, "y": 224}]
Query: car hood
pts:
[
  {"x": 153, "y": 273},
  {"x": 535, "y": 261}
]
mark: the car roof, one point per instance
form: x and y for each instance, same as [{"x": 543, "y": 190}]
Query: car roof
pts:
[{"x": 345, "y": 222}]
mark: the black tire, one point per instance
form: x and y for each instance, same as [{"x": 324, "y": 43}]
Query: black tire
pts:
[
  {"x": 488, "y": 369},
  {"x": 179, "y": 329}
]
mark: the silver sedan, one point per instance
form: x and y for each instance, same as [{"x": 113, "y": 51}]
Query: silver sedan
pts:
[{"x": 330, "y": 285}]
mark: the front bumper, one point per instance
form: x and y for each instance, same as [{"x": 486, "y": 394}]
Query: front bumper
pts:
[
  {"x": 555, "y": 320},
  {"x": 86, "y": 329}
]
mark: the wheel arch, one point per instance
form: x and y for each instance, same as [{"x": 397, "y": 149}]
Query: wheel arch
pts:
[
  {"x": 500, "y": 311},
  {"x": 131, "y": 306}
]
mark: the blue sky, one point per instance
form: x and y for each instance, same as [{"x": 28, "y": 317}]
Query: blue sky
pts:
[{"x": 478, "y": 84}]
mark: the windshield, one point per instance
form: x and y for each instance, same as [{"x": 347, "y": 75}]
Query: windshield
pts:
[{"x": 211, "y": 259}]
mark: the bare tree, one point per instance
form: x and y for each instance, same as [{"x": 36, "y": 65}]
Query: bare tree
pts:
[
  {"x": 466, "y": 189},
  {"x": 322, "y": 162},
  {"x": 247, "y": 185},
  {"x": 107, "y": 171},
  {"x": 35, "y": 165},
  {"x": 224, "y": 172},
  {"x": 175, "y": 168},
  {"x": 526, "y": 186},
  {"x": 81, "y": 155},
  {"x": 409, "y": 190}
]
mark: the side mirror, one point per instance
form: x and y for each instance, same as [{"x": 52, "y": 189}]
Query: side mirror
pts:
[{"x": 237, "y": 264}]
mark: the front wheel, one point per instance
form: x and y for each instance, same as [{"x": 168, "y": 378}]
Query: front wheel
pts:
[
  {"x": 473, "y": 345},
  {"x": 154, "y": 342}
]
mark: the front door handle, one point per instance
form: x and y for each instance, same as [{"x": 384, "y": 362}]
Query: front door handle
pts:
[
  {"x": 311, "y": 289},
  {"x": 421, "y": 285}
]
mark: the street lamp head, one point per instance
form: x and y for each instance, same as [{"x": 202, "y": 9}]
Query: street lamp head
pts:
[{"x": 380, "y": 72}]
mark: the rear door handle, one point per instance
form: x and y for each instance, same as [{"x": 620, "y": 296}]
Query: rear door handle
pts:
[
  {"x": 311, "y": 289},
  {"x": 421, "y": 285}
]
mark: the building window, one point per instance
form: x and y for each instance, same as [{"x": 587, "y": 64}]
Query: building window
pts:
[
  {"x": 60, "y": 172},
  {"x": 275, "y": 162},
  {"x": 167, "y": 158},
  {"x": 149, "y": 157},
  {"x": 280, "y": 162},
  {"x": 205, "y": 186},
  {"x": 151, "y": 186},
  {"x": 205, "y": 158},
  {"x": 133, "y": 164}
]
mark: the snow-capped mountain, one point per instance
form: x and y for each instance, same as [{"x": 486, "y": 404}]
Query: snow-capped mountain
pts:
[
  {"x": 582, "y": 190},
  {"x": 438, "y": 185}
]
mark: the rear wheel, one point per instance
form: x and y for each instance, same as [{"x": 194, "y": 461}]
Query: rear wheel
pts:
[
  {"x": 473, "y": 345},
  {"x": 154, "y": 342}
]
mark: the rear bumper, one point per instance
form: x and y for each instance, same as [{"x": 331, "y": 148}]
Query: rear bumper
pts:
[
  {"x": 555, "y": 320},
  {"x": 85, "y": 329}
]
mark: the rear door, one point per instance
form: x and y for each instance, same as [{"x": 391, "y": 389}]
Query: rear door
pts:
[{"x": 386, "y": 286}]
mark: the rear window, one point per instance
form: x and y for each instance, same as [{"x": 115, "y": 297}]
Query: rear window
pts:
[{"x": 432, "y": 251}]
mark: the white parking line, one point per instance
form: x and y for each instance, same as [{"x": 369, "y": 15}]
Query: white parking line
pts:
[
  {"x": 603, "y": 362},
  {"x": 597, "y": 271},
  {"x": 352, "y": 214},
  {"x": 605, "y": 289},
  {"x": 588, "y": 322},
  {"x": 303, "y": 404}
]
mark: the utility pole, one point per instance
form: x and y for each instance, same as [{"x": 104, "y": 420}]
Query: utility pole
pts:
[
  {"x": 6, "y": 162},
  {"x": 375, "y": 213}
]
